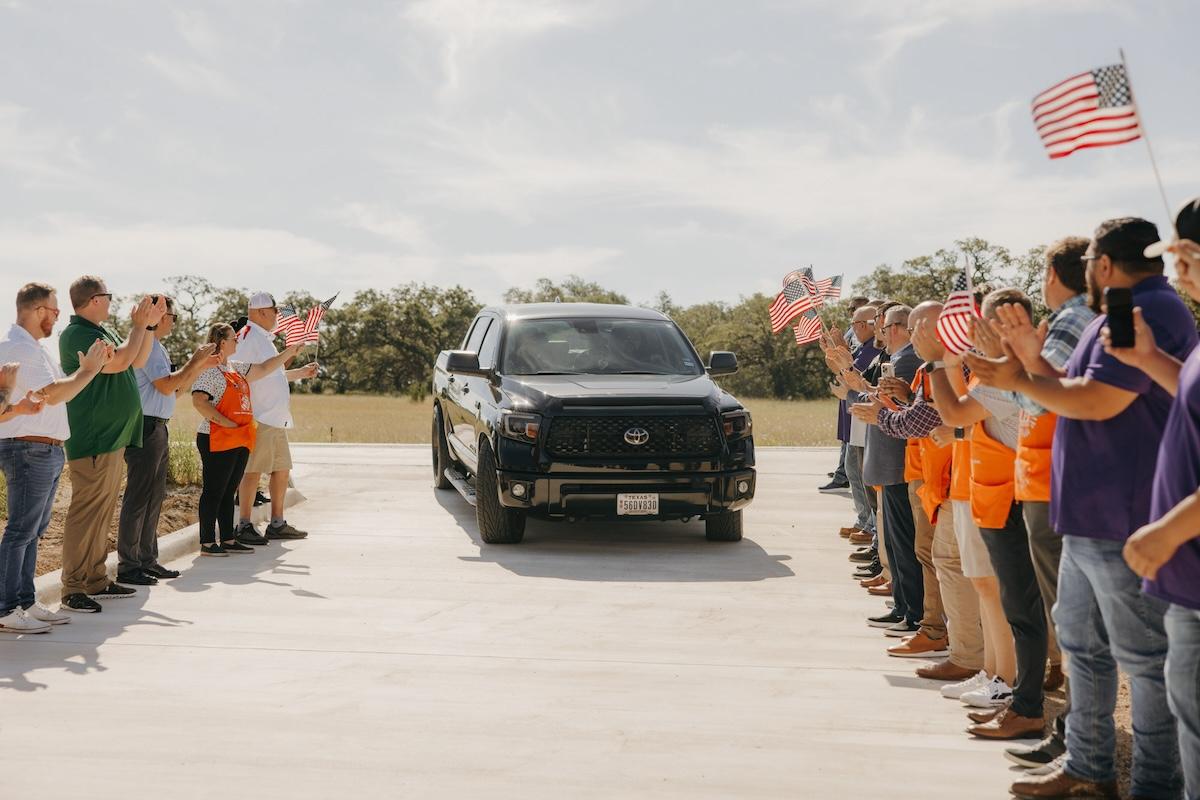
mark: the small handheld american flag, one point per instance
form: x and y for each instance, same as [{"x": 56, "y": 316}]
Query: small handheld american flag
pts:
[
  {"x": 830, "y": 288},
  {"x": 799, "y": 295},
  {"x": 289, "y": 325},
  {"x": 954, "y": 323},
  {"x": 312, "y": 322},
  {"x": 1091, "y": 109},
  {"x": 809, "y": 328}
]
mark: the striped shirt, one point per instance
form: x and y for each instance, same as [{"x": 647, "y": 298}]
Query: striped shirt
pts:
[{"x": 915, "y": 421}]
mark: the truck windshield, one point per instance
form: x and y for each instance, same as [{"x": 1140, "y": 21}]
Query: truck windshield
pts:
[{"x": 597, "y": 347}]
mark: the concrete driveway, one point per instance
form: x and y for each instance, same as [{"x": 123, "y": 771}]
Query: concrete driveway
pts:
[{"x": 393, "y": 655}]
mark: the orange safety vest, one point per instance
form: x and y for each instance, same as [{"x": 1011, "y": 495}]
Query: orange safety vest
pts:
[
  {"x": 926, "y": 462},
  {"x": 960, "y": 471},
  {"x": 992, "y": 484},
  {"x": 1032, "y": 474},
  {"x": 914, "y": 469},
  {"x": 234, "y": 406}
]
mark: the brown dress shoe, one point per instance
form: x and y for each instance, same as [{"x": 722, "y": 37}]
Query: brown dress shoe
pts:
[
  {"x": 987, "y": 715},
  {"x": 919, "y": 646},
  {"x": 946, "y": 671},
  {"x": 861, "y": 537},
  {"x": 882, "y": 590},
  {"x": 878, "y": 580},
  {"x": 1054, "y": 678},
  {"x": 1060, "y": 784},
  {"x": 1009, "y": 725},
  {"x": 846, "y": 533}
]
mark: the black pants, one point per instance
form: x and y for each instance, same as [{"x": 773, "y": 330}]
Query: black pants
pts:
[
  {"x": 1022, "y": 601},
  {"x": 145, "y": 488},
  {"x": 900, "y": 538},
  {"x": 222, "y": 474}
]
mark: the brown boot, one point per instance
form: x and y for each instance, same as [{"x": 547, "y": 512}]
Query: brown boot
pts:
[
  {"x": 1054, "y": 678},
  {"x": 1009, "y": 725},
  {"x": 846, "y": 533},
  {"x": 946, "y": 671},
  {"x": 919, "y": 646},
  {"x": 1059, "y": 784},
  {"x": 861, "y": 537},
  {"x": 987, "y": 715}
]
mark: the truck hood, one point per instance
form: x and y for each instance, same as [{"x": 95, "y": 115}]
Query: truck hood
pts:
[{"x": 593, "y": 390}]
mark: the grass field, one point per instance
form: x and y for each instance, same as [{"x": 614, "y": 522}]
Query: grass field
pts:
[{"x": 368, "y": 418}]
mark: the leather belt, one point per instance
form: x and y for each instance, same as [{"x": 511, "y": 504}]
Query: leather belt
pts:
[
  {"x": 40, "y": 440},
  {"x": 155, "y": 420}
]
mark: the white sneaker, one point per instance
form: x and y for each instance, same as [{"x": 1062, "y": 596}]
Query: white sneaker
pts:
[
  {"x": 955, "y": 691},
  {"x": 19, "y": 622},
  {"x": 992, "y": 695},
  {"x": 1053, "y": 766},
  {"x": 43, "y": 614}
]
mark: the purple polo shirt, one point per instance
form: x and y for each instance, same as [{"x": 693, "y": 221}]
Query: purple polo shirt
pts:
[
  {"x": 863, "y": 357},
  {"x": 1176, "y": 479},
  {"x": 1101, "y": 472}
]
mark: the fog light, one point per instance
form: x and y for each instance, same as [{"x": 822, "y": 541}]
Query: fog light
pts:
[
  {"x": 518, "y": 490},
  {"x": 743, "y": 487}
]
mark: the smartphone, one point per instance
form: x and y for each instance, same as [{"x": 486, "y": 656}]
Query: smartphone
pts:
[
  {"x": 1118, "y": 303},
  {"x": 887, "y": 370}
]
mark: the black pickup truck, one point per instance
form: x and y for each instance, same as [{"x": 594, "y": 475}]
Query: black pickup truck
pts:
[{"x": 580, "y": 411}]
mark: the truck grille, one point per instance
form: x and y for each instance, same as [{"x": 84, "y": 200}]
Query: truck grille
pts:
[{"x": 694, "y": 436}]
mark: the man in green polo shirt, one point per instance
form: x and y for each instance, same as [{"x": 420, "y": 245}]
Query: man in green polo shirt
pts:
[{"x": 105, "y": 418}]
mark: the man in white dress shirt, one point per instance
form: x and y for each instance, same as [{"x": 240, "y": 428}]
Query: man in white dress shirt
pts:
[{"x": 271, "y": 398}]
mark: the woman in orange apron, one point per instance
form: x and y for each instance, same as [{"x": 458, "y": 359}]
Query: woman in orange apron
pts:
[{"x": 225, "y": 437}]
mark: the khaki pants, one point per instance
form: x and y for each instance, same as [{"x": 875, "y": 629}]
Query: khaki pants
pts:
[
  {"x": 958, "y": 595},
  {"x": 933, "y": 620},
  {"x": 95, "y": 485}
]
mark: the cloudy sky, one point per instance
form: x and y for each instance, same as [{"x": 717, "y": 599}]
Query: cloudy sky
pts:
[{"x": 703, "y": 147}]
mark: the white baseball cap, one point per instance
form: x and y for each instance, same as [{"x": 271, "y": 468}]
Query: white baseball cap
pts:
[{"x": 261, "y": 300}]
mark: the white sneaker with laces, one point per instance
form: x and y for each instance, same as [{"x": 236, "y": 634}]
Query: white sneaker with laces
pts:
[
  {"x": 17, "y": 621},
  {"x": 1053, "y": 766},
  {"x": 43, "y": 614},
  {"x": 993, "y": 695},
  {"x": 955, "y": 691}
]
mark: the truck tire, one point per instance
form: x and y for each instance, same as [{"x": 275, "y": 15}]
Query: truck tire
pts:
[
  {"x": 725, "y": 527},
  {"x": 441, "y": 451},
  {"x": 497, "y": 524}
]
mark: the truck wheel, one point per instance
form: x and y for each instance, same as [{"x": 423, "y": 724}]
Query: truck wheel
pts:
[
  {"x": 497, "y": 524},
  {"x": 441, "y": 451},
  {"x": 726, "y": 527}
]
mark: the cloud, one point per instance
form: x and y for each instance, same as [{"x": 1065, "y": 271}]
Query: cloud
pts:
[
  {"x": 523, "y": 268},
  {"x": 38, "y": 154},
  {"x": 398, "y": 228},
  {"x": 192, "y": 76},
  {"x": 194, "y": 28}
]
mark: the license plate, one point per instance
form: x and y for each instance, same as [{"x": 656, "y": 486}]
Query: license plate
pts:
[{"x": 636, "y": 504}]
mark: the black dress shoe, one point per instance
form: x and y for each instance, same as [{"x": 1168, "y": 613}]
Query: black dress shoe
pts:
[
  {"x": 864, "y": 556},
  {"x": 885, "y": 620},
  {"x": 138, "y": 577},
  {"x": 834, "y": 486},
  {"x": 161, "y": 572}
]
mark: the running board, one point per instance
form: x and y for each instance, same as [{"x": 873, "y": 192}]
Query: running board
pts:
[{"x": 460, "y": 483}]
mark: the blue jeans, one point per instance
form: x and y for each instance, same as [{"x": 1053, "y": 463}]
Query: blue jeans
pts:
[
  {"x": 1103, "y": 620},
  {"x": 1183, "y": 689},
  {"x": 863, "y": 497},
  {"x": 32, "y": 471}
]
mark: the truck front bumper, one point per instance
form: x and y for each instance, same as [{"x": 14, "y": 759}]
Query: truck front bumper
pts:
[{"x": 594, "y": 495}]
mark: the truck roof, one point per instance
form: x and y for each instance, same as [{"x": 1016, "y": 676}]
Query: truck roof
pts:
[{"x": 559, "y": 310}]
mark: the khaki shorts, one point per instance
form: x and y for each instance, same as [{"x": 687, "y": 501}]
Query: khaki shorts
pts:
[
  {"x": 976, "y": 561},
  {"x": 271, "y": 452}
]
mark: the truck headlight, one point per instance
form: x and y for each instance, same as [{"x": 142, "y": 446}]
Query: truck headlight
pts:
[
  {"x": 521, "y": 426},
  {"x": 737, "y": 425}
]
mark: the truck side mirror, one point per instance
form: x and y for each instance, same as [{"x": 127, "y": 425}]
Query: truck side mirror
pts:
[
  {"x": 463, "y": 362},
  {"x": 722, "y": 362}
]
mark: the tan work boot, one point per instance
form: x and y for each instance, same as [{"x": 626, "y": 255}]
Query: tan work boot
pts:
[
  {"x": 919, "y": 646},
  {"x": 1009, "y": 725},
  {"x": 1060, "y": 784},
  {"x": 945, "y": 671}
]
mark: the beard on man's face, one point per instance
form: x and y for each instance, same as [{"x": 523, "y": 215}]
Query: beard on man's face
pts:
[
  {"x": 1095, "y": 296},
  {"x": 47, "y": 327}
]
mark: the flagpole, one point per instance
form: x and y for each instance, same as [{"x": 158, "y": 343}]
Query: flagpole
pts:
[{"x": 1137, "y": 110}]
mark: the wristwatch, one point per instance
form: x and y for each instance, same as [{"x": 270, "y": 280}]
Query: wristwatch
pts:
[
  {"x": 960, "y": 433},
  {"x": 933, "y": 366}
]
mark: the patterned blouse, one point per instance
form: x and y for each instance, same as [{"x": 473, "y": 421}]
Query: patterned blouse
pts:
[{"x": 212, "y": 383}]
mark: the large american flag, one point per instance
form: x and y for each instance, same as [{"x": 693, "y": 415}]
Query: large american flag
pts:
[
  {"x": 1092, "y": 109},
  {"x": 954, "y": 323},
  {"x": 798, "y": 296},
  {"x": 289, "y": 325},
  {"x": 312, "y": 322},
  {"x": 809, "y": 328}
]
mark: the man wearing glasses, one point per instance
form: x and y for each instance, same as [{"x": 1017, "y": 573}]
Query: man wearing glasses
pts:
[
  {"x": 146, "y": 481},
  {"x": 105, "y": 418}
]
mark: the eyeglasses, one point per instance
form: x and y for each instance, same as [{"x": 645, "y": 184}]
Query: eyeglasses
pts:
[
  {"x": 48, "y": 308},
  {"x": 897, "y": 324},
  {"x": 102, "y": 294},
  {"x": 1086, "y": 258}
]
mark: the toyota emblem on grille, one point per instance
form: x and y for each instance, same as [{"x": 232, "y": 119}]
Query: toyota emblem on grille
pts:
[{"x": 637, "y": 436}]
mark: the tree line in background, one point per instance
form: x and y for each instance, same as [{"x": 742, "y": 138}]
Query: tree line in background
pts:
[{"x": 386, "y": 341}]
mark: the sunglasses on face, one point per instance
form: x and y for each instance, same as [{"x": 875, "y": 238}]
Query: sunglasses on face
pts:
[{"x": 102, "y": 294}]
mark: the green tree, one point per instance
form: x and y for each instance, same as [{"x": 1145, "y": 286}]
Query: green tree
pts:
[{"x": 572, "y": 290}]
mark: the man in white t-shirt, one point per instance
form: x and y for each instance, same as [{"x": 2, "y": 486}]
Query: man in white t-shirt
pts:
[
  {"x": 271, "y": 398},
  {"x": 31, "y": 450}
]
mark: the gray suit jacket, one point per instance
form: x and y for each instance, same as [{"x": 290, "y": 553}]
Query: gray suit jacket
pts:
[{"x": 883, "y": 463}]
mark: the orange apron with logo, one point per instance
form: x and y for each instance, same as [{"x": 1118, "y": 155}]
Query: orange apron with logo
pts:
[
  {"x": 1033, "y": 457},
  {"x": 992, "y": 484},
  {"x": 234, "y": 406}
]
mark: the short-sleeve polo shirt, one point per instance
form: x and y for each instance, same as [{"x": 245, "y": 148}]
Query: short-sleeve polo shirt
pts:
[{"x": 107, "y": 415}]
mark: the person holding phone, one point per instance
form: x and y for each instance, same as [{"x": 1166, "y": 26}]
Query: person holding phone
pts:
[
  {"x": 226, "y": 435},
  {"x": 1111, "y": 421}
]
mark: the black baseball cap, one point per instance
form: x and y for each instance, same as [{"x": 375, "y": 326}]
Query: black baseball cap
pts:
[{"x": 1187, "y": 225}]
